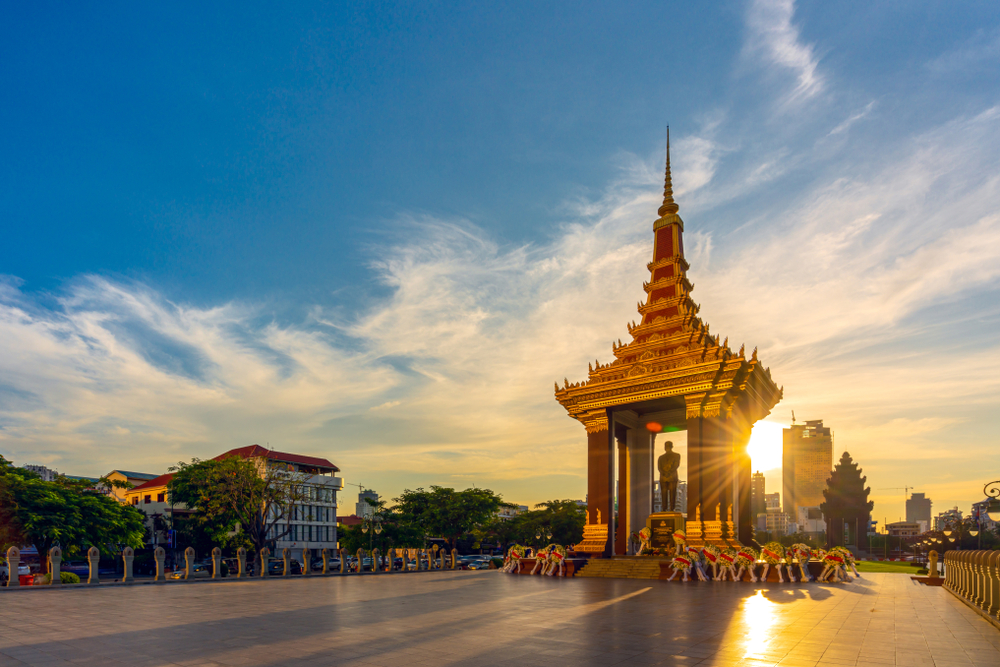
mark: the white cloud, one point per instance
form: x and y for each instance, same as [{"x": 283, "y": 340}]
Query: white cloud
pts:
[
  {"x": 978, "y": 51},
  {"x": 852, "y": 119},
  {"x": 773, "y": 38}
]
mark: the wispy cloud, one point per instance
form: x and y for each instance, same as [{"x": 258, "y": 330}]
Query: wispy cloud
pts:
[
  {"x": 852, "y": 119},
  {"x": 981, "y": 49},
  {"x": 773, "y": 38}
]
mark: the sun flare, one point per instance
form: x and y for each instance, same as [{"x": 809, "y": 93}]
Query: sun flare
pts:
[{"x": 765, "y": 445}]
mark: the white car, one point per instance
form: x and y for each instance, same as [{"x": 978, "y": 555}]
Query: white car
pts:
[{"x": 5, "y": 571}]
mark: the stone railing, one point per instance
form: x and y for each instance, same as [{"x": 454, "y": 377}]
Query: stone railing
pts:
[
  {"x": 974, "y": 578},
  {"x": 426, "y": 559}
]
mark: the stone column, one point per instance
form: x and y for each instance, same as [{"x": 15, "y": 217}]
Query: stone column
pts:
[
  {"x": 390, "y": 555},
  {"x": 622, "y": 490},
  {"x": 600, "y": 474},
  {"x": 128, "y": 555},
  {"x": 325, "y": 555},
  {"x": 286, "y": 557},
  {"x": 306, "y": 564},
  {"x": 640, "y": 459},
  {"x": 454, "y": 558},
  {"x": 188, "y": 563},
  {"x": 361, "y": 560},
  {"x": 55, "y": 559},
  {"x": 932, "y": 561},
  {"x": 343, "y": 560},
  {"x": 160, "y": 556},
  {"x": 241, "y": 559},
  {"x": 376, "y": 565},
  {"x": 93, "y": 558},
  {"x": 265, "y": 555},
  {"x": 216, "y": 563},
  {"x": 13, "y": 562}
]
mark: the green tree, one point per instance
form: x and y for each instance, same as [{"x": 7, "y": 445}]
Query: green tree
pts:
[
  {"x": 444, "y": 512},
  {"x": 238, "y": 501},
  {"x": 66, "y": 513}
]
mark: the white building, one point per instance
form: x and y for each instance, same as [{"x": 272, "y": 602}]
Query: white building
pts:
[
  {"x": 363, "y": 508},
  {"x": 47, "y": 474},
  {"x": 508, "y": 513}
]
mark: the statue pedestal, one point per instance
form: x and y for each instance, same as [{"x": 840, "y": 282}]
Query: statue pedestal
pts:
[{"x": 662, "y": 526}]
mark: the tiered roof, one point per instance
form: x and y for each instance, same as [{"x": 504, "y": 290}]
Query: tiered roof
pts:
[{"x": 672, "y": 352}]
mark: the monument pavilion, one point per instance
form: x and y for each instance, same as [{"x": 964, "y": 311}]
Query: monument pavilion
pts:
[{"x": 673, "y": 375}]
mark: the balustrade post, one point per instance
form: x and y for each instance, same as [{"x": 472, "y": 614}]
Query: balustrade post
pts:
[
  {"x": 216, "y": 563},
  {"x": 325, "y": 555},
  {"x": 454, "y": 558},
  {"x": 55, "y": 559},
  {"x": 189, "y": 563},
  {"x": 128, "y": 556},
  {"x": 13, "y": 563},
  {"x": 159, "y": 557},
  {"x": 994, "y": 574},
  {"x": 93, "y": 559},
  {"x": 286, "y": 557},
  {"x": 343, "y": 561},
  {"x": 390, "y": 554},
  {"x": 376, "y": 565},
  {"x": 306, "y": 564},
  {"x": 265, "y": 556},
  {"x": 361, "y": 560},
  {"x": 241, "y": 561}
]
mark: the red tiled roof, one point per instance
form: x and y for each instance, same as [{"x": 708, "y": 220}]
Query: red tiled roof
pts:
[
  {"x": 351, "y": 520},
  {"x": 156, "y": 482},
  {"x": 251, "y": 451}
]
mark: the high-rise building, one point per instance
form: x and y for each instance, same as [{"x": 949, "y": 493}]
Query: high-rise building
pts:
[
  {"x": 918, "y": 508},
  {"x": 772, "y": 501},
  {"x": 47, "y": 474},
  {"x": 947, "y": 518},
  {"x": 682, "y": 497},
  {"x": 806, "y": 463},
  {"x": 757, "y": 490},
  {"x": 363, "y": 508}
]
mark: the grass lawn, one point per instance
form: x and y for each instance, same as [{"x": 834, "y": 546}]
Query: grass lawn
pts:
[{"x": 886, "y": 566}]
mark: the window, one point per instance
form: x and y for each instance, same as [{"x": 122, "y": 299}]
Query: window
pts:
[
  {"x": 146, "y": 499},
  {"x": 135, "y": 500},
  {"x": 160, "y": 497}
]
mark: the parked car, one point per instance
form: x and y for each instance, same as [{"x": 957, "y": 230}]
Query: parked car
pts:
[
  {"x": 317, "y": 564},
  {"x": 22, "y": 570},
  {"x": 276, "y": 568},
  {"x": 198, "y": 571},
  {"x": 80, "y": 568}
]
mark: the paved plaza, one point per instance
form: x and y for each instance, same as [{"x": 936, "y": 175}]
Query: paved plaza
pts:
[{"x": 488, "y": 618}]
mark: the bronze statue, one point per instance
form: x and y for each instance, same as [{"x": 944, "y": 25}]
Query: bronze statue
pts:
[{"x": 667, "y": 464}]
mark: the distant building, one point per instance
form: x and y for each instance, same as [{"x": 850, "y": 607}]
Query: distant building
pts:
[
  {"x": 979, "y": 514},
  {"x": 350, "y": 520},
  {"x": 903, "y": 528},
  {"x": 806, "y": 463},
  {"x": 508, "y": 513},
  {"x": 772, "y": 501},
  {"x": 757, "y": 491},
  {"x": 811, "y": 521},
  {"x": 918, "y": 508},
  {"x": 776, "y": 522},
  {"x": 363, "y": 508},
  {"x": 312, "y": 523},
  {"x": 946, "y": 518},
  {"x": 134, "y": 479},
  {"x": 47, "y": 474}
]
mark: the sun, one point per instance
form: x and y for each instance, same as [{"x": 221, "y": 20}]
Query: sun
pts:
[{"x": 765, "y": 445}]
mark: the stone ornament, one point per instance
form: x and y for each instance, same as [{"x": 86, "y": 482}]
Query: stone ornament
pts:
[
  {"x": 93, "y": 558},
  {"x": 216, "y": 563},
  {"x": 361, "y": 560},
  {"x": 306, "y": 565},
  {"x": 325, "y": 555},
  {"x": 13, "y": 562},
  {"x": 376, "y": 564},
  {"x": 128, "y": 555},
  {"x": 286, "y": 557},
  {"x": 189, "y": 563},
  {"x": 241, "y": 559},
  {"x": 343, "y": 560},
  {"x": 454, "y": 558},
  {"x": 265, "y": 554},
  {"x": 160, "y": 556},
  {"x": 55, "y": 559}
]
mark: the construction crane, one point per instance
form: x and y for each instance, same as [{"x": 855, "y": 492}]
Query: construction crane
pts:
[{"x": 906, "y": 489}]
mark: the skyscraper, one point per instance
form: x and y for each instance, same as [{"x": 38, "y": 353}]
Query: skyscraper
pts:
[
  {"x": 918, "y": 509},
  {"x": 806, "y": 463},
  {"x": 757, "y": 491}
]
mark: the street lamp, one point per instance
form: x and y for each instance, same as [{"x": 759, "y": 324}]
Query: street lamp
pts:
[
  {"x": 992, "y": 491},
  {"x": 371, "y": 526}
]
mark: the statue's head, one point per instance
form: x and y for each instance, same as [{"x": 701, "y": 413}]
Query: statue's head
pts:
[{"x": 668, "y": 446}]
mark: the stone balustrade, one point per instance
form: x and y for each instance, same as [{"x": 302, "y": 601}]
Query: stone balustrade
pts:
[
  {"x": 434, "y": 559},
  {"x": 974, "y": 578}
]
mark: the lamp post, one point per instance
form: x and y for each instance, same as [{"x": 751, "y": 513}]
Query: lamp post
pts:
[{"x": 372, "y": 526}]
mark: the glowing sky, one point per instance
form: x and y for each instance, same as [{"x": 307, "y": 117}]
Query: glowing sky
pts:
[{"x": 380, "y": 232}]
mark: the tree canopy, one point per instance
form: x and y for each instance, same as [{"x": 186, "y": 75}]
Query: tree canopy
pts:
[
  {"x": 447, "y": 513},
  {"x": 64, "y": 512}
]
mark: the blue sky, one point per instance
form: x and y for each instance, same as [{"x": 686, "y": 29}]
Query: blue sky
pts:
[{"x": 379, "y": 232}]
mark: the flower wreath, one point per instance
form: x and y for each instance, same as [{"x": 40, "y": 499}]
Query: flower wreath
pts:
[
  {"x": 746, "y": 557},
  {"x": 773, "y": 553}
]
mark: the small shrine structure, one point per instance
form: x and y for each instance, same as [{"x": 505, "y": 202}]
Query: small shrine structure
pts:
[{"x": 672, "y": 375}]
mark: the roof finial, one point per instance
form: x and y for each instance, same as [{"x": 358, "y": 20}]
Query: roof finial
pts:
[{"x": 669, "y": 207}]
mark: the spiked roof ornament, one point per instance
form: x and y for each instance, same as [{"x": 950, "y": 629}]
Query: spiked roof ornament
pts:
[{"x": 669, "y": 207}]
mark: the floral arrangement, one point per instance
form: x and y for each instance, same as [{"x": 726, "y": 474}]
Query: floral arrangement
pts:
[
  {"x": 802, "y": 554},
  {"x": 727, "y": 564},
  {"x": 557, "y": 560},
  {"x": 712, "y": 553},
  {"x": 642, "y": 537},
  {"x": 540, "y": 560},
  {"x": 772, "y": 553},
  {"x": 746, "y": 558}
]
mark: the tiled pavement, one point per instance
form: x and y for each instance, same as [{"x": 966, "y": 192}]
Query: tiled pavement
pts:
[{"x": 488, "y": 618}]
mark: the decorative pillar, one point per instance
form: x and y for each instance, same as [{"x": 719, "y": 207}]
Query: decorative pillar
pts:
[
  {"x": 600, "y": 474},
  {"x": 376, "y": 566},
  {"x": 306, "y": 564},
  {"x": 454, "y": 558},
  {"x": 128, "y": 556},
  {"x": 241, "y": 561},
  {"x": 622, "y": 491},
  {"x": 13, "y": 562},
  {"x": 343, "y": 560},
  {"x": 265, "y": 556},
  {"x": 325, "y": 555},
  {"x": 55, "y": 559},
  {"x": 286, "y": 557},
  {"x": 159, "y": 557},
  {"x": 93, "y": 559},
  {"x": 216, "y": 563},
  {"x": 640, "y": 459},
  {"x": 189, "y": 563}
]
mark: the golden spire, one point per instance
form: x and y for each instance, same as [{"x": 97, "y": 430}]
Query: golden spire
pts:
[{"x": 669, "y": 207}]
